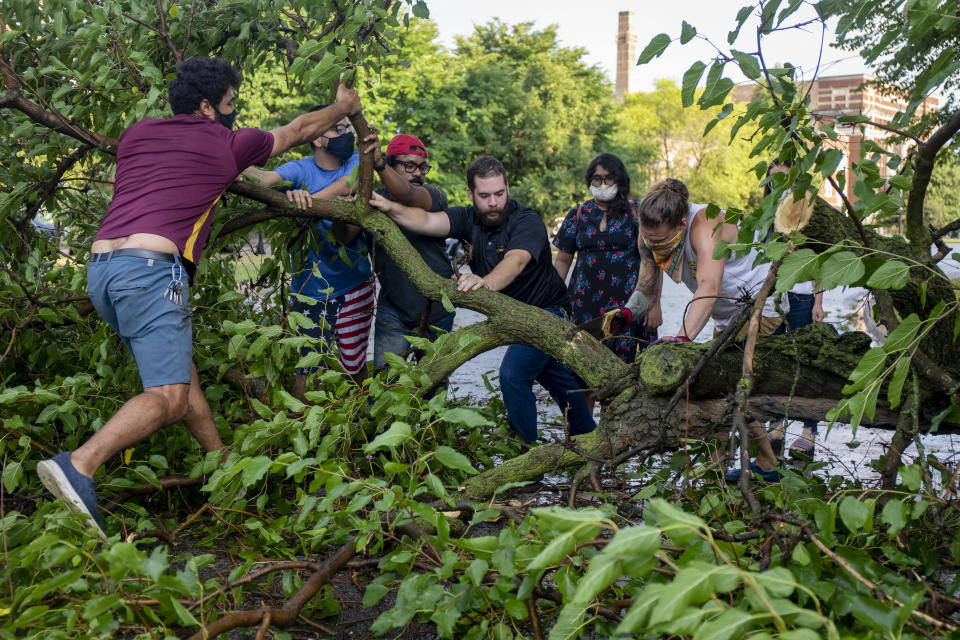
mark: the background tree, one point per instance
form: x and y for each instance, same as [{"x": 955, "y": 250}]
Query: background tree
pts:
[{"x": 714, "y": 167}]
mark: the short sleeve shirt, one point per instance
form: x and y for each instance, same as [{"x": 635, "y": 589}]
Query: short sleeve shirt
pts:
[
  {"x": 538, "y": 284},
  {"x": 320, "y": 270},
  {"x": 305, "y": 173},
  {"x": 396, "y": 289},
  {"x": 170, "y": 174}
]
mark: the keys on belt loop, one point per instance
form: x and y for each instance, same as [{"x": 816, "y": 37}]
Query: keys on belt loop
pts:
[{"x": 174, "y": 291}]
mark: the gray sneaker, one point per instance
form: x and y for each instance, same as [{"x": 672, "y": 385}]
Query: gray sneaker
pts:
[{"x": 60, "y": 477}]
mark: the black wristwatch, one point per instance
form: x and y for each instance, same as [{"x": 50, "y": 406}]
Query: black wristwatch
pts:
[{"x": 380, "y": 167}]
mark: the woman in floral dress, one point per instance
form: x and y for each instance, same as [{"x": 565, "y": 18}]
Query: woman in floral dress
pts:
[{"x": 603, "y": 234}]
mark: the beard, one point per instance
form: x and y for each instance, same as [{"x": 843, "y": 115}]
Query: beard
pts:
[{"x": 493, "y": 217}]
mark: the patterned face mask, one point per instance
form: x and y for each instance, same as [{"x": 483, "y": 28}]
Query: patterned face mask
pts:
[{"x": 669, "y": 254}]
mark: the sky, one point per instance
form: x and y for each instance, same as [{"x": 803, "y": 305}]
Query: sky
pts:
[{"x": 592, "y": 24}]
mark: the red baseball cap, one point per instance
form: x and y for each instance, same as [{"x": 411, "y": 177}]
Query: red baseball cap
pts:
[{"x": 406, "y": 144}]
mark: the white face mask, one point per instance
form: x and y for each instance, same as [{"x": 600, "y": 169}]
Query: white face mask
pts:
[{"x": 604, "y": 193}]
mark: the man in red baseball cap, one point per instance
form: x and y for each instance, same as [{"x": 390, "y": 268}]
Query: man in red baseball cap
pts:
[{"x": 402, "y": 310}]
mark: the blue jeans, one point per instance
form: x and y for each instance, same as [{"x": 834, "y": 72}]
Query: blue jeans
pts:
[
  {"x": 799, "y": 315},
  {"x": 390, "y": 335},
  {"x": 521, "y": 366}
]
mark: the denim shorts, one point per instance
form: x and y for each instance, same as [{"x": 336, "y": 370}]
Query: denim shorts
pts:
[{"x": 128, "y": 292}]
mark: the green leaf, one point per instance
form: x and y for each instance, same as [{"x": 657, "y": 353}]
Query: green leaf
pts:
[
  {"x": 903, "y": 336},
  {"x": 454, "y": 460},
  {"x": 12, "y": 475},
  {"x": 254, "y": 469},
  {"x": 561, "y": 546},
  {"x": 742, "y": 16},
  {"x": 420, "y": 9},
  {"x": 748, "y": 64},
  {"x": 894, "y": 514},
  {"x": 638, "y": 616},
  {"x": 901, "y": 182},
  {"x": 477, "y": 569},
  {"x": 717, "y": 87},
  {"x": 867, "y": 370},
  {"x": 678, "y": 525},
  {"x": 799, "y": 266},
  {"x": 778, "y": 581},
  {"x": 727, "y": 625},
  {"x": 827, "y": 162},
  {"x": 467, "y": 417},
  {"x": 687, "y": 32},
  {"x": 840, "y": 269},
  {"x": 854, "y": 513},
  {"x": 690, "y": 80},
  {"x": 654, "y": 49},
  {"x": 603, "y": 570},
  {"x": 565, "y": 519},
  {"x": 445, "y": 301},
  {"x": 391, "y": 438},
  {"x": 911, "y": 477},
  {"x": 634, "y": 541},
  {"x": 891, "y": 275},
  {"x": 690, "y": 585},
  {"x": 291, "y": 403},
  {"x": 569, "y": 624},
  {"x": 895, "y": 389}
]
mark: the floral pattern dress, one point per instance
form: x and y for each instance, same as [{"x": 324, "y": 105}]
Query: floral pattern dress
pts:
[{"x": 605, "y": 273}]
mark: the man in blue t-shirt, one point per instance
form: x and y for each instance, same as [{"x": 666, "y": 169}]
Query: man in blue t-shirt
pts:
[{"x": 326, "y": 286}]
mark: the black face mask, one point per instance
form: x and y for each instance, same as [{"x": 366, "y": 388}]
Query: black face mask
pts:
[
  {"x": 226, "y": 119},
  {"x": 341, "y": 146}
]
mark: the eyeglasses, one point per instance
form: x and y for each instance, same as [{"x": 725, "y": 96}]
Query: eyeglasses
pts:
[
  {"x": 342, "y": 129},
  {"x": 411, "y": 167},
  {"x": 607, "y": 180}
]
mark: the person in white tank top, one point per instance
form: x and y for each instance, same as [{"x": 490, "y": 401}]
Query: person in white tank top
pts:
[{"x": 682, "y": 241}]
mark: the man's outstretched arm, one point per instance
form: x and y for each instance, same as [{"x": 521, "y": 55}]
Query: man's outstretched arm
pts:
[
  {"x": 414, "y": 219},
  {"x": 309, "y": 126}
]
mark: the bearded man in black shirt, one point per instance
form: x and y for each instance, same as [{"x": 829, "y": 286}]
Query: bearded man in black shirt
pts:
[{"x": 511, "y": 254}]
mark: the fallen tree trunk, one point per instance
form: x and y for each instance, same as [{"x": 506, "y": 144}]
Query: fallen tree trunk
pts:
[{"x": 800, "y": 376}]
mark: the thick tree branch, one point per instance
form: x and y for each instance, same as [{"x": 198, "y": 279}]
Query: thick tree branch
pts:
[
  {"x": 923, "y": 165},
  {"x": 14, "y": 99},
  {"x": 946, "y": 229}
]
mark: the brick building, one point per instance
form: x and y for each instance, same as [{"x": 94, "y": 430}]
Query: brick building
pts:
[{"x": 836, "y": 96}]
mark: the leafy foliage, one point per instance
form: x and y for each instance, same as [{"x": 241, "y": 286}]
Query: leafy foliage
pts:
[{"x": 379, "y": 468}]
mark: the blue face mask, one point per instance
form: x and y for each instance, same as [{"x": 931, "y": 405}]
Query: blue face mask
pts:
[
  {"x": 226, "y": 119},
  {"x": 341, "y": 146}
]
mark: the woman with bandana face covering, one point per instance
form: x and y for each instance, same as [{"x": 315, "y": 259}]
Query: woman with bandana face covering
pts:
[
  {"x": 603, "y": 233},
  {"x": 682, "y": 240}
]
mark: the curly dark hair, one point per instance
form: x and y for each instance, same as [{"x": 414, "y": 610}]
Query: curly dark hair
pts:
[
  {"x": 200, "y": 78},
  {"x": 620, "y": 205},
  {"x": 484, "y": 167}
]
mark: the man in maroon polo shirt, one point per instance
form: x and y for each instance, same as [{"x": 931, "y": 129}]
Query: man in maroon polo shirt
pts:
[{"x": 170, "y": 174}]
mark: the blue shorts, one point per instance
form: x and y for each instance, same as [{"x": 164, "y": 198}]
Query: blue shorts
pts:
[{"x": 128, "y": 292}]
